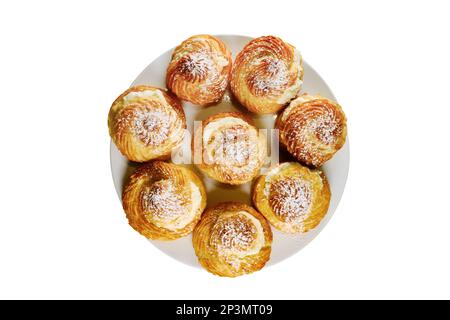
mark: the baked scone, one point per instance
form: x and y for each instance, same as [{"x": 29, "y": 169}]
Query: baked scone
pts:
[
  {"x": 267, "y": 74},
  {"x": 146, "y": 123},
  {"x": 164, "y": 201},
  {"x": 200, "y": 70},
  {"x": 312, "y": 128},
  {"x": 293, "y": 198},
  {"x": 232, "y": 239},
  {"x": 228, "y": 148}
]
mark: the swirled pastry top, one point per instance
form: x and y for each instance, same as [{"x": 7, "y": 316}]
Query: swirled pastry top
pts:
[
  {"x": 312, "y": 128},
  {"x": 267, "y": 74},
  {"x": 146, "y": 123},
  {"x": 293, "y": 198},
  {"x": 164, "y": 201},
  {"x": 232, "y": 239},
  {"x": 228, "y": 148},
  {"x": 199, "y": 70}
]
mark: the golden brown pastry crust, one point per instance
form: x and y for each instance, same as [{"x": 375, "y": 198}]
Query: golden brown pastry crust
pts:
[
  {"x": 312, "y": 128},
  {"x": 200, "y": 70},
  {"x": 228, "y": 148},
  {"x": 164, "y": 201},
  {"x": 266, "y": 74},
  {"x": 232, "y": 239},
  {"x": 146, "y": 123},
  {"x": 293, "y": 198}
]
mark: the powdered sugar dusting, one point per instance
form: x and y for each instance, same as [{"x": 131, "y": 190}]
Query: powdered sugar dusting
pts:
[
  {"x": 236, "y": 146},
  {"x": 237, "y": 234},
  {"x": 325, "y": 127},
  {"x": 274, "y": 77},
  {"x": 162, "y": 201},
  {"x": 231, "y": 237},
  {"x": 197, "y": 64},
  {"x": 232, "y": 145},
  {"x": 152, "y": 127},
  {"x": 291, "y": 199},
  {"x": 313, "y": 137}
]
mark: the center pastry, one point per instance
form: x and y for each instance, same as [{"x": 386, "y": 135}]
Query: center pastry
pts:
[{"x": 228, "y": 148}]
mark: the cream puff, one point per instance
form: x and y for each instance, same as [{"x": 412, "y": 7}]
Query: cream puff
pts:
[
  {"x": 163, "y": 201},
  {"x": 292, "y": 197},
  {"x": 146, "y": 123},
  {"x": 232, "y": 239},
  {"x": 228, "y": 148},
  {"x": 199, "y": 70},
  {"x": 312, "y": 128},
  {"x": 267, "y": 74}
]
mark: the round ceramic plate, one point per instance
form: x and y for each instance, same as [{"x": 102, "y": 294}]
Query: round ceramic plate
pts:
[{"x": 284, "y": 245}]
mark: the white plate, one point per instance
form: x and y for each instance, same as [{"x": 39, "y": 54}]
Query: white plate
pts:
[{"x": 283, "y": 245}]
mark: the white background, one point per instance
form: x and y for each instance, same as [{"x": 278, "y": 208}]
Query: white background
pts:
[{"x": 62, "y": 230}]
